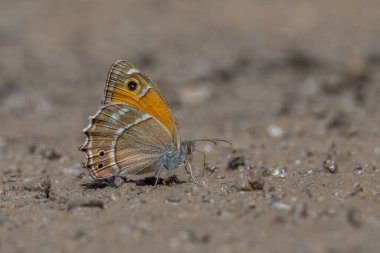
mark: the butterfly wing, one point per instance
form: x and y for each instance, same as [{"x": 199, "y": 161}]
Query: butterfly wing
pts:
[
  {"x": 121, "y": 138},
  {"x": 126, "y": 84}
]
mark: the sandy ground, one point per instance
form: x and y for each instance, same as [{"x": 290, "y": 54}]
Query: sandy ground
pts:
[{"x": 294, "y": 85}]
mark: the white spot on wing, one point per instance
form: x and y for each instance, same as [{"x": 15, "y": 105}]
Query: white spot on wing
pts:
[
  {"x": 120, "y": 131},
  {"x": 124, "y": 110},
  {"x": 115, "y": 116},
  {"x": 144, "y": 117},
  {"x": 133, "y": 71},
  {"x": 112, "y": 156},
  {"x": 144, "y": 91}
]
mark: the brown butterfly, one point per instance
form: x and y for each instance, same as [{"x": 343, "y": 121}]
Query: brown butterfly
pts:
[{"x": 134, "y": 131}]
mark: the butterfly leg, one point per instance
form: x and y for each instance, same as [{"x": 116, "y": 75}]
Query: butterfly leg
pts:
[
  {"x": 190, "y": 171},
  {"x": 157, "y": 176}
]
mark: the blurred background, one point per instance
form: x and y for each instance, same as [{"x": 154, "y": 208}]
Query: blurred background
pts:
[
  {"x": 258, "y": 73},
  {"x": 246, "y": 57}
]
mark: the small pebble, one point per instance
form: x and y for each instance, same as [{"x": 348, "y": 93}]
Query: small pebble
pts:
[
  {"x": 256, "y": 183},
  {"x": 281, "y": 206},
  {"x": 358, "y": 168},
  {"x": 330, "y": 165},
  {"x": 206, "y": 199},
  {"x": 113, "y": 197},
  {"x": 279, "y": 172},
  {"x": 276, "y": 132},
  {"x": 251, "y": 180},
  {"x": 235, "y": 161}
]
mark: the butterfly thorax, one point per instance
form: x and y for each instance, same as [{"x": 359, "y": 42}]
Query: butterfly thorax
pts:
[{"x": 171, "y": 159}]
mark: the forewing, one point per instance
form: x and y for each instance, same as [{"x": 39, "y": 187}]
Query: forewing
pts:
[
  {"x": 144, "y": 97},
  {"x": 122, "y": 139}
]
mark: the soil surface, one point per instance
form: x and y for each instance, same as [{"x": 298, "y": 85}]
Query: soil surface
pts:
[{"x": 293, "y": 85}]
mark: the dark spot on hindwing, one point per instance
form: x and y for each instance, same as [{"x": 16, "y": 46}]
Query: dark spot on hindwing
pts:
[
  {"x": 101, "y": 153},
  {"x": 100, "y": 165}
]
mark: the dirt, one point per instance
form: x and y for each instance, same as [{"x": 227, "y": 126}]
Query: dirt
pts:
[{"x": 293, "y": 85}]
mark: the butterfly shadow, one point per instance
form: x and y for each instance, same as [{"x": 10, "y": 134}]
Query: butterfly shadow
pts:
[
  {"x": 169, "y": 181},
  {"x": 117, "y": 181},
  {"x": 114, "y": 182}
]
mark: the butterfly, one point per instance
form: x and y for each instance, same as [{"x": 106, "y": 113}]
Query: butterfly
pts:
[{"x": 133, "y": 132}]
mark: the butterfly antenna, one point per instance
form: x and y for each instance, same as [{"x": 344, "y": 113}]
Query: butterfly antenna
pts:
[{"x": 214, "y": 141}]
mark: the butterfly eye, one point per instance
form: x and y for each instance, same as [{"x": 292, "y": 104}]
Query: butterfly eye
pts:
[{"x": 132, "y": 85}]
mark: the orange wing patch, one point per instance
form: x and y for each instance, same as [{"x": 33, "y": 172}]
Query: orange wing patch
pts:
[
  {"x": 128, "y": 85},
  {"x": 150, "y": 103}
]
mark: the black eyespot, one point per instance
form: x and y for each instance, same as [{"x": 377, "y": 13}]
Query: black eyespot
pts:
[
  {"x": 100, "y": 165},
  {"x": 132, "y": 85},
  {"x": 101, "y": 153}
]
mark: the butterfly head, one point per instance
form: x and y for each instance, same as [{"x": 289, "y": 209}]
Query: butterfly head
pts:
[{"x": 188, "y": 147}]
